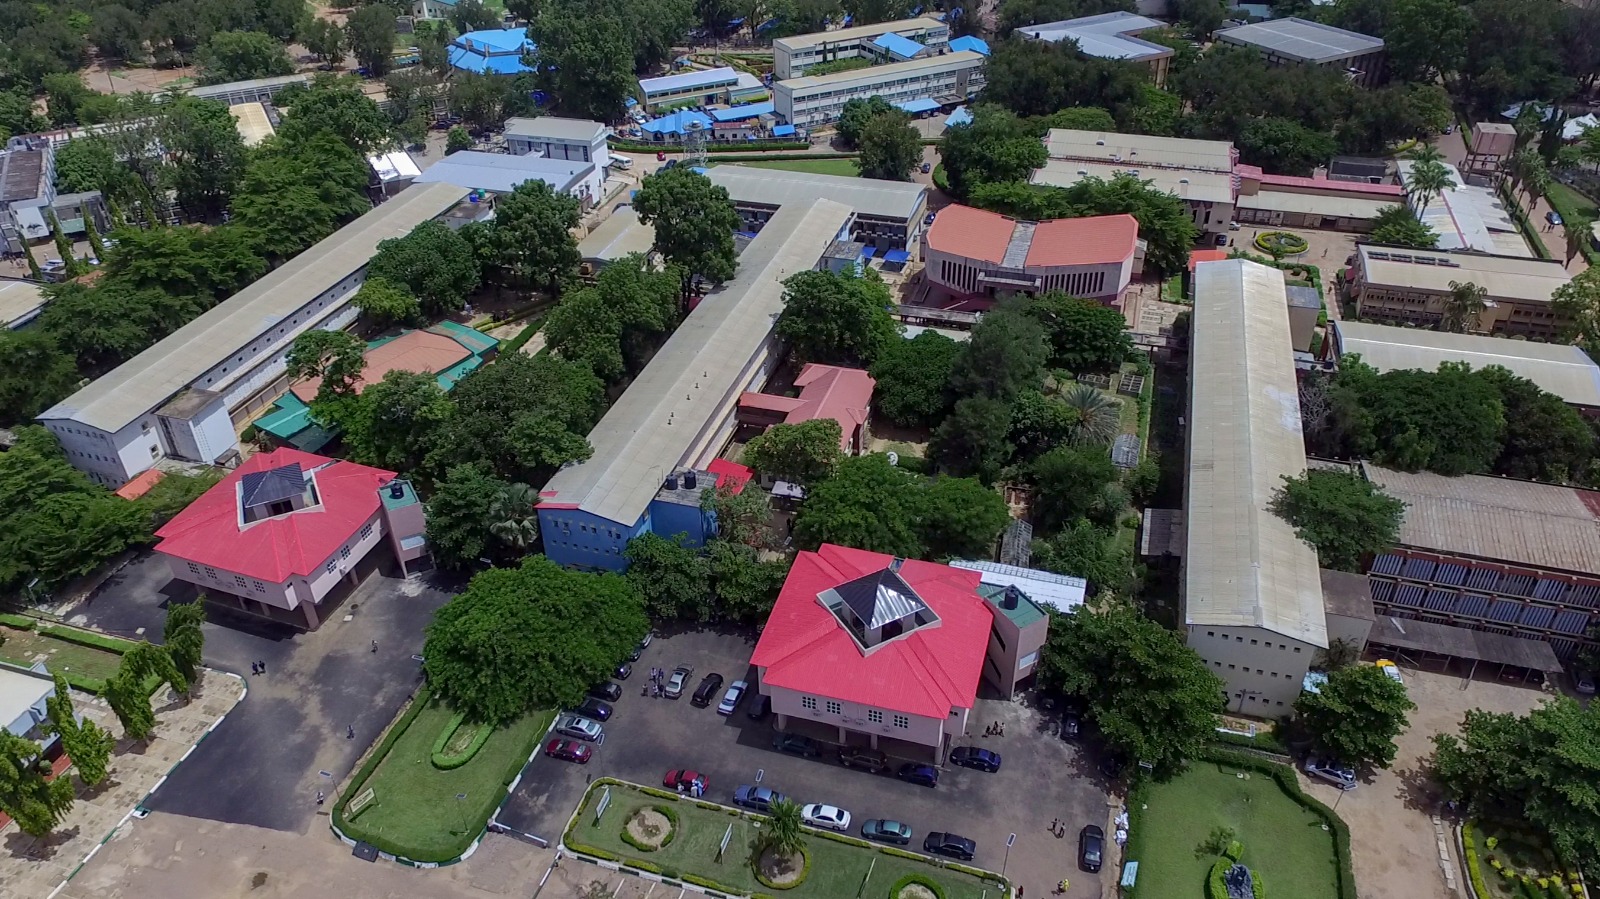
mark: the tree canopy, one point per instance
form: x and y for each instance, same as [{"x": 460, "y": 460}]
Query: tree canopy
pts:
[
  {"x": 617, "y": 323},
  {"x": 1398, "y": 226},
  {"x": 1085, "y": 336},
  {"x": 890, "y": 148},
  {"x": 838, "y": 318},
  {"x": 434, "y": 262},
  {"x": 1345, "y": 517},
  {"x": 870, "y": 504},
  {"x": 1355, "y": 715},
  {"x": 912, "y": 377},
  {"x": 694, "y": 221},
  {"x": 804, "y": 454}
]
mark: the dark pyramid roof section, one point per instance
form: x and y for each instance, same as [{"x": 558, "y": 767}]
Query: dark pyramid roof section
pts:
[
  {"x": 261, "y": 487},
  {"x": 878, "y": 598}
]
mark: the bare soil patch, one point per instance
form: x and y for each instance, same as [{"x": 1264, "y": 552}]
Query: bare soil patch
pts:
[{"x": 650, "y": 828}]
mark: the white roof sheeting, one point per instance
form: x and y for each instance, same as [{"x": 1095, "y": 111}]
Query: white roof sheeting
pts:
[
  {"x": 20, "y": 302},
  {"x": 555, "y": 128},
  {"x": 707, "y": 78},
  {"x": 620, "y": 234},
  {"x": 1243, "y": 565},
  {"x": 1058, "y": 591},
  {"x": 1141, "y": 149},
  {"x": 1561, "y": 369},
  {"x": 20, "y": 690},
  {"x": 860, "y": 33},
  {"x": 1353, "y": 207},
  {"x": 698, "y": 375},
  {"x": 1105, "y": 35},
  {"x": 774, "y": 187},
  {"x": 1186, "y": 184},
  {"x": 502, "y": 172},
  {"x": 1302, "y": 40},
  {"x": 149, "y": 379},
  {"x": 1505, "y": 277}
]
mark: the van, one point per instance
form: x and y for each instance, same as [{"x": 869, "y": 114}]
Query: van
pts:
[{"x": 621, "y": 163}]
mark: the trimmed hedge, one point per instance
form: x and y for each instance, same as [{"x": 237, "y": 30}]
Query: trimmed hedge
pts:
[
  {"x": 933, "y": 886},
  {"x": 805, "y": 871},
  {"x": 848, "y": 841},
  {"x": 1257, "y": 884},
  {"x": 1215, "y": 887},
  {"x": 88, "y": 638},
  {"x": 20, "y": 622},
  {"x": 629, "y": 146},
  {"x": 516, "y": 343},
  {"x": 672, "y": 820},
  {"x": 1469, "y": 844},
  {"x": 710, "y": 884},
  {"x": 445, "y": 762},
  {"x": 901, "y": 853},
  {"x": 1263, "y": 742},
  {"x": 659, "y": 794}
]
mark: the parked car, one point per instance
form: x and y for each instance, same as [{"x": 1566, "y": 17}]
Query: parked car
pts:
[
  {"x": 923, "y": 775},
  {"x": 758, "y": 798},
  {"x": 678, "y": 680},
  {"x": 1071, "y": 726},
  {"x": 927, "y": 167},
  {"x": 1091, "y": 847},
  {"x": 610, "y": 692},
  {"x": 708, "y": 688},
  {"x": 1391, "y": 669},
  {"x": 1222, "y": 240},
  {"x": 831, "y": 817},
  {"x": 886, "y": 831},
  {"x": 973, "y": 757},
  {"x": 863, "y": 758},
  {"x": 569, "y": 751},
  {"x": 732, "y": 698},
  {"x": 949, "y": 844},
  {"x": 762, "y": 708},
  {"x": 623, "y": 670},
  {"x": 796, "y": 744},
  {"x": 1583, "y": 682},
  {"x": 683, "y": 777},
  {"x": 580, "y": 727},
  {"x": 1327, "y": 769},
  {"x": 594, "y": 708}
]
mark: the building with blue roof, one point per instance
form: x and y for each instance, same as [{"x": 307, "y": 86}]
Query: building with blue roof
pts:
[
  {"x": 497, "y": 52},
  {"x": 701, "y": 87},
  {"x": 919, "y": 106},
  {"x": 793, "y": 55},
  {"x": 958, "y": 116},
  {"x": 1109, "y": 36},
  {"x": 969, "y": 42},
  {"x": 676, "y": 124},
  {"x": 740, "y": 113},
  {"x": 892, "y": 47}
]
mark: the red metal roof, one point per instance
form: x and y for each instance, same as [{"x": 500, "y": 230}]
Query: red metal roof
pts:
[
  {"x": 972, "y": 233},
  {"x": 421, "y": 352},
  {"x": 928, "y": 672},
  {"x": 826, "y": 391},
  {"x": 141, "y": 485},
  {"x": 1198, "y": 256},
  {"x": 731, "y": 473},
  {"x": 1095, "y": 240},
  {"x": 274, "y": 549}
]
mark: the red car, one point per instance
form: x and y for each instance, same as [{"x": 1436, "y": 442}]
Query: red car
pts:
[
  {"x": 569, "y": 751},
  {"x": 683, "y": 778}
]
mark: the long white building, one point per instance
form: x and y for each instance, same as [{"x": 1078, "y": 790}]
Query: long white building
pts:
[
  {"x": 792, "y": 56},
  {"x": 948, "y": 78},
  {"x": 185, "y": 396}
]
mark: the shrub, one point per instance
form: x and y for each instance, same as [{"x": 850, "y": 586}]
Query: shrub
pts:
[
  {"x": 20, "y": 622},
  {"x": 1215, "y": 887},
  {"x": 1257, "y": 885},
  {"x": 451, "y": 761},
  {"x": 711, "y": 884},
  {"x": 88, "y": 638},
  {"x": 672, "y": 831},
  {"x": 709, "y": 806},
  {"x": 591, "y": 850},
  {"x": 933, "y": 886},
  {"x": 805, "y": 871},
  {"x": 1235, "y": 851},
  {"x": 641, "y": 866},
  {"x": 659, "y": 794},
  {"x": 901, "y": 853},
  {"x": 841, "y": 838},
  {"x": 1491, "y": 842}
]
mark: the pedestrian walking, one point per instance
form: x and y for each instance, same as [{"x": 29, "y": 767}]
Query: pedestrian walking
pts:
[
  {"x": 374, "y": 645},
  {"x": 255, "y": 668},
  {"x": 319, "y": 797},
  {"x": 263, "y": 667},
  {"x": 349, "y": 731}
]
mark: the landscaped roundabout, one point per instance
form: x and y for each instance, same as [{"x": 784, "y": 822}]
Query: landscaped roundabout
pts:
[{"x": 1281, "y": 243}]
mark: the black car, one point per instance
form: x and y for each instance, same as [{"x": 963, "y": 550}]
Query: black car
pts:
[
  {"x": 973, "y": 757},
  {"x": 1091, "y": 846},
  {"x": 762, "y": 708},
  {"x": 922, "y": 775},
  {"x": 796, "y": 744},
  {"x": 863, "y": 758},
  {"x": 949, "y": 844},
  {"x": 594, "y": 708},
  {"x": 608, "y": 691},
  {"x": 1071, "y": 726},
  {"x": 623, "y": 670},
  {"x": 707, "y": 690}
]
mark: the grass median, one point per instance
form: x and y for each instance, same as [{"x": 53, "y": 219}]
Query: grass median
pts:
[{"x": 845, "y": 167}]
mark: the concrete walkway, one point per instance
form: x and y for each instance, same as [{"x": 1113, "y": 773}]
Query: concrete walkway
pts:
[
  {"x": 1454, "y": 148},
  {"x": 31, "y": 868}
]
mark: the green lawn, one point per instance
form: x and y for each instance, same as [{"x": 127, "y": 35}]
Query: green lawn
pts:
[
  {"x": 1285, "y": 841},
  {"x": 845, "y": 167},
  {"x": 415, "y": 809},
  {"x": 837, "y": 869},
  {"x": 1568, "y": 201},
  {"x": 24, "y": 647}
]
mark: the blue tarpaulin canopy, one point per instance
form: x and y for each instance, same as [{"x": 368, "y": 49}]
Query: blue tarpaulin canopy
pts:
[
  {"x": 926, "y": 104},
  {"x": 958, "y": 116},
  {"x": 968, "y": 42},
  {"x": 737, "y": 113},
  {"x": 896, "y": 257},
  {"x": 783, "y": 131},
  {"x": 901, "y": 47},
  {"x": 868, "y": 252}
]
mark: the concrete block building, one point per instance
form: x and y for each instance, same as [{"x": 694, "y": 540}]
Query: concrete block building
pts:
[
  {"x": 974, "y": 252},
  {"x": 500, "y": 173},
  {"x": 553, "y": 137},
  {"x": 888, "y": 215},
  {"x": 1294, "y": 41},
  {"x": 1199, "y": 172},
  {"x": 792, "y": 56},
  {"x": 1110, "y": 36},
  {"x": 1402, "y": 286},
  {"x": 948, "y": 79},
  {"x": 826, "y": 391}
]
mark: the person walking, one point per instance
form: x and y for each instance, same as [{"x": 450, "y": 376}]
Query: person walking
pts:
[
  {"x": 349, "y": 731},
  {"x": 374, "y": 645}
]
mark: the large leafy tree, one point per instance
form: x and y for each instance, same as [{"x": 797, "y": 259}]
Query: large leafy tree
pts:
[
  {"x": 890, "y": 148},
  {"x": 1356, "y": 715},
  {"x": 35, "y": 373},
  {"x": 1151, "y": 696},
  {"x": 88, "y": 744},
  {"x": 296, "y": 192},
  {"x": 804, "y": 454},
  {"x": 1450, "y": 421},
  {"x": 460, "y": 512},
  {"x": 108, "y": 323},
  {"x": 972, "y": 439},
  {"x": 1037, "y": 78},
  {"x": 585, "y": 58},
  {"x": 745, "y": 585},
  {"x": 614, "y": 325},
  {"x": 336, "y": 105},
  {"x": 205, "y": 154},
  {"x": 533, "y": 637},
  {"x": 1283, "y": 145},
  {"x": 36, "y": 804},
  {"x": 1577, "y": 303},
  {"x": 210, "y": 264},
  {"x": 399, "y": 421},
  {"x": 995, "y": 147},
  {"x": 386, "y": 303},
  {"x": 336, "y": 357},
  {"x": 434, "y": 262},
  {"x": 183, "y": 636},
  {"x": 912, "y": 377},
  {"x": 868, "y": 504},
  {"x": 1068, "y": 481},
  {"x": 1345, "y": 517},
  {"x": 1087, "y": 551},
  {"x": 1398, "y": 226},
  {"x": 694, "y": 221},
  {"x": 855, "y": 115},
  {"x": 1006, "y": 355},
  {"x": 369, "y": 31},
  {"x": 1545, "y": 439},
  {"x": 1084, "y": 335},
  {"x": 671, "y": 577},
  {"x": 961, "y": 518},
  {"x": 241, "y": 56},
  {"x": 838, "y": 318},
  {"x": 524, "y": 416},
  {"x": 533, "y": 233}
]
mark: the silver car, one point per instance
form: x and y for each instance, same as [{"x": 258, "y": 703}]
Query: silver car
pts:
[
  {"x": 677, "y": 680},
  {"x": 1326, "y": 769},
  {"x": 579, "y": 727}
]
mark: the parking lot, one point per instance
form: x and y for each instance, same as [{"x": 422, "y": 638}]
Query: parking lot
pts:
[{"x": 1042, "y": 778}]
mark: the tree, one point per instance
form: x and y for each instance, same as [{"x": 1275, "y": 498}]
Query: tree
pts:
[
  {"x": 694, "y": 222},
  {"x": 1449, "y": 421},
  {"x": 87, "y": 164},
  {"x": 1068, "y": 480},
  {"x": 105, "y": 325},
  {"x": 1005, "y": 356},
  {"x": 890, "y": 148},
  {"x": 615, "y": 325},
  {"x": 456, "y": 140},
  {"x": 1578, "y": 302},
  {"x": 745, "y": 586},
  {"x": 962, "y": 519},
  {"x": 533, "y": 233},
  {"x": 855, "y": 115},
  {"x": 297, "y": 191},
  {"x": 781, "y": 835},
  {"x": 1081, "y": 118},
  {"x": 1150, "y": 695},
  {"x": 176, "y": 492},
  {"x": 241, "y": 56},
  {"x": 533, "y": 637},
  {"x": 1344, "y": 517},
  {"x": 88, "y": 744},
  {"x": 585, "y": 59},
  {"x": 671, "y": 577},
  {"x": 473, "y": 15},
  {"x": 460, "y": 513},
  {"x": 523, "y": 416},
  {"x": 1462, "y": 307},
  {"x": 1428, "y": 179},
  {"x": 514, "y": 518},
  {"x": 1425, "y": 38},
  {"x": 912, "y": 376},
  {"x": 972, "y": 438},
  {"x": 995, "y": 147},
  {"x": 205, "y": 154},
  {"x": 183, "y": 637},
  {"x": 386, "y": 303},
  {"x": 337, "y": 106},
  {"x": 870, "y": 12},
  {"x": 336, "y": 358},
  {"x": 1085, "y": 336},
  {"x": 118, "y": 33},
  {"x": 434, "y": 262},
  {"x": 36, "y": 804},
  {"x": 478, "y": 99},
  {"x": 1087, "y": 551},
  {"x": 1037, "y": 78},
  {"x": 804, "y": 454},
  {"x": 1398, "y": 226},
  {"x": 1545, "y": 439},
  {"x": 34, "y": 374},
  {"x": 1202, "y": 16},
  {"x": 399, "y": 421},
  {"x": 370, "y": 33},
  {"x": 325, "y": 40},
  {"x": 868, "y": 504},
  {"x": 837, "y": 318},
  {"x": 743, "y": 514},
  {"x": 1285, "y": 146},
  {"x": 1356, "y": 715},
  {"x": 1092, "y": 418}
]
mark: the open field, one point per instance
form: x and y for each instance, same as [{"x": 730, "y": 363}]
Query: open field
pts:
[{"x": 26, "y": 647}]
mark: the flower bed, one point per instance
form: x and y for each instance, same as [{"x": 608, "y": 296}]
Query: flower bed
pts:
[
  {"x": 1505, "y": 862},
  {"x": 1282, "y": 243}
]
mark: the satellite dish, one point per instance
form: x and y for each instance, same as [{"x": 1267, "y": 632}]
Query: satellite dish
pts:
[{"x": 894, "y": 458}]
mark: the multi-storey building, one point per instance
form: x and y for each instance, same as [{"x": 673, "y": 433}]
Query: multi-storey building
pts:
[
  {"x": 29, "y": 202},
  {"x": 1299, "y": 42},
  {"x": 792, "y": 56},
  {"x": 976, "y": 252},
  {"x": 946, "y": 79},
  {"x": 1110, "y": 36},
  {"x": 1199, "y": 172},
  {"x": 1396, "y": 285},
  {"x": 888, "y": 215},
  {"x": 554, "y": 137},
  {"x": 700, "y": 87}
]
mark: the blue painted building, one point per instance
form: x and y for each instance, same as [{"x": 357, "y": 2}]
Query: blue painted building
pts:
[{"x": 493, "y": 52}]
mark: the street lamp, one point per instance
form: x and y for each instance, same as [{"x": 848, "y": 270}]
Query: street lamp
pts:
[{"x": 1009, "y": 840}]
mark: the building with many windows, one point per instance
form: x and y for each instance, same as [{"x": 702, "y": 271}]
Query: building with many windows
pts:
[
  {"x": 1110, "y": 36},
  {"x": 553, "y": 137},
  {"x": 500, "y": 173},
  {"x": 792, "y": 56},
  {"x": 826, "y": 391},
  {"x": 700, "y": 87},
  {"x": 946, "y": 79},
  {"x": 974, "y": 252},
  {"x": 1199, "y": 172},
  {"x": 888, "y": 215},
  {"x": 1299, "y": 42},
  {"x": 1401, "y": 286}
]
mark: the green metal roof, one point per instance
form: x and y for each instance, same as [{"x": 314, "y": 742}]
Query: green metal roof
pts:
[
  {"x": 1024, "y": 614},
  {"x": 409, "y": 497}
]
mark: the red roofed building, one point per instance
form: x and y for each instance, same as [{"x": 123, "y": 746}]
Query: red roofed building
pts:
[
  {"x": 976, "y": 252},
  {"x": 283, "y": 530},
  {"x": 865, "y": 649},
  {"x": 826, "y": 391}
]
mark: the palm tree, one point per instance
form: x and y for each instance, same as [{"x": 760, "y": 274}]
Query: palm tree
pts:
[
  {"x": 514, "y": 519},
  {"x": 1427, "y": 180},
  {"x": 1528, "y": 121},
  {"x": 1425, "y": 152},
  {"x": 1094, "y": 417},
  {"x": 1462, "y": 307},
  {"x": 781, "y": 834}
]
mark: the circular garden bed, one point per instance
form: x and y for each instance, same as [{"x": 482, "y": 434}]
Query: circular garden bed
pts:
[
  {"x": 782, "y": 872},
  {"x": 1281, "y": 243},
  {"x": 650, "y": 828},
  {"x": 916, "y": 886}
]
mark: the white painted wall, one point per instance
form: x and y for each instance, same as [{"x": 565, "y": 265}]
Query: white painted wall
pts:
[
  {"x": 289, "y": 593},
  {"x": 858, "y": 718},
  {"x": 1257, "y": 660}
]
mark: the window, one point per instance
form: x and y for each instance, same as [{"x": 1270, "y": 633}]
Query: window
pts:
[
  {"x": 1211, "y": 633},
  {"x": 1238, "y": 639},
  {"x": 874, "y": 716},
  {"x": 902, "y": 721},
  {"x": 1297, "y": 649},
  {"x": 366, "y": 530},
  {"x": 193, "y": 568},
  {"x": 332, "y": 566},
  {"x": 808, "y": 702},
  {"x": 211, "y": 572},
  {"x": 259, "y": 586},
  {"x": 239, "y": 580},
  {"x": 344, "y": 552},
  {"x": 1252, "y": 642},
  {"x": 835, "y": 708},
  {"x": 1230, "y": 667}
]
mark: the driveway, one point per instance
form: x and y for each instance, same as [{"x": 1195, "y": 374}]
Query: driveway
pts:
[
  {"x": 264, "y": 765},
  {"x": 1041, "y": 779}
]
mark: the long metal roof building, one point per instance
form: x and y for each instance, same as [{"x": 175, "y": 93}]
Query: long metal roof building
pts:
[
  {"x": 149, "y": 379},
  {"x": 772, "y": 187},
  {"x": 680, "y": 399},
  {"x": 1243, "y": 565}
]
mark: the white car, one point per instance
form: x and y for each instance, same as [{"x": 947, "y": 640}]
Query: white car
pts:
[
  {"x": 580, "y": 727},
  {"x": 1392, "y": 670},
  {"x": 730, "y": 699},
  {"x": 831, "y": 817},
  {"x": 677, "y": 680}
]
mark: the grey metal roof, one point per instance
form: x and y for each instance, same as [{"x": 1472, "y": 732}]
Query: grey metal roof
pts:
[
  {"x": 860, "y": 34},
  {"x": 1561, "y": 369},
  {"x": 773, "y": 187},
  {"x": 555, "y": 127},
  {"x": 1106, "y": 35},
  {"x": 876, "y": 599},
  {"x": 20, "y": 302},
  {"x": 1301, "y": 39},
  {"x": 144, "y": 382},
  {"x": 218, "y": 90},
  {"x": 620, "y": 234},
  {"x": 1243, "y": 565},
  {"x": 1499, "y": 519},
  {"x": 1505, "y": 277},
  {"x": 258, "y": 488},
  {"x": 1463, "y": 643},
  {"x": 20, "y": 175},
  {"x": 1346, "y": 593},
  {"x": 502, "y": 172},
  {"x": 696, "y": 378},
  {"x": 1303, "y": 297}
]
